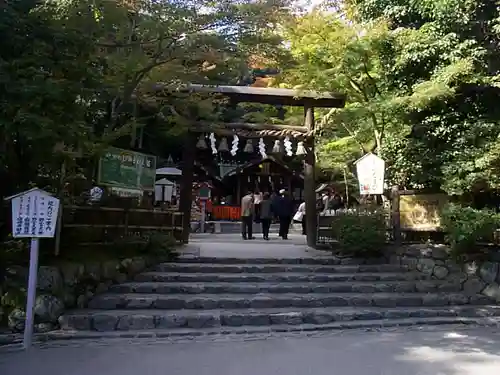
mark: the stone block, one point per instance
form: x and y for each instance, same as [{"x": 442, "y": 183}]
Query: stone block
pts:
[
  {"x": 399, "y": 288},
  {"x": 109, "y": 269},
  {"x": 71, "y": 273},
  {"x": 141, "y": 302},
  {"x": 434, "y": 300},
  {"x": 171, "y": 321},
  {"x": 360, "y": 301},
  {"x": 291, "y": 318},
  {"x": 136, "y": 322},
  {"x": 449, "y": 286},
  {"x": 16, "y": 320},
  {"x": 93, "y": 270},
  {"x": 120, "y": 278},
  {"x": 492, "y": 291},
  {"x": 203, "y": 321},
  {"x": 105, "y": 322},
  {"x": 49, "y": 279},
  {"x": 426, "y": 265},
  {"x": 75, "y": 322},
  {"x": 440, "y": 272},
  {"x": 385, "y": 301},
  {"x": 318, "y": 318},
  {"x": 473, "y": 285},
  {"x": 365, "y": 288},
  {"x": 396, "y": 314},
  {"x": 425, "y": 286},
  {"x": 488, "y": 271},
  {"x": 368, "y": 315},
  {"x": 136, "y": 265},
  {"x": 458, "y": 299},
  {"x": 109, "y": 301},
  {"x": 44, "y": 327},
  {"x": 48, "y": 308},
  {"x": 440, "y": 252}
]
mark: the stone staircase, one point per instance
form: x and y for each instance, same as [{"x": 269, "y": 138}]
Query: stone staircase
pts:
[{"x": 195, "y": 296}]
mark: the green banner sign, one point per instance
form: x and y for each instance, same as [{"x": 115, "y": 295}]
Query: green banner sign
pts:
[{"x": 127, "y": 169}]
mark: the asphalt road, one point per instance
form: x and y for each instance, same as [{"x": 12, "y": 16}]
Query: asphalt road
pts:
[{"x": 443, "y": 351}]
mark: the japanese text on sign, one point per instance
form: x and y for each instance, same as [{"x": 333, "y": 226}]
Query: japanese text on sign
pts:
[{"x": 34, "y": 214}]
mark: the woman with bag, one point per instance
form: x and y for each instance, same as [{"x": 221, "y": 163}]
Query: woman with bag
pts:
[{"x": 300, "y": 216}]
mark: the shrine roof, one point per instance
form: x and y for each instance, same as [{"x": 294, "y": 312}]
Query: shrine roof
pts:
[{"x": 265, "y": 95}]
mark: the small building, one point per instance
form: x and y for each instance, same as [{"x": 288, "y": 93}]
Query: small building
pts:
[{"x": 261, "y": 175}]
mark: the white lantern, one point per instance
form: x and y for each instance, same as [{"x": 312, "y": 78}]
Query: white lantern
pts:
[
  {"x": 277, "y": 147},
  {"x": 301, "y": 150},
  {"x": 201, "y": 144},
  {"x": 223, "y": 145},
  {"x": 249, "y": 146}
]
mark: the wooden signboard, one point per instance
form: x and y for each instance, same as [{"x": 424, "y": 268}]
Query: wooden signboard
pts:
[
  {"x": 127, "y": 169},
  {"x": 421, "y": 212}
]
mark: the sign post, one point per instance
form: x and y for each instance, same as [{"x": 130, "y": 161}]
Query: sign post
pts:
[
  {"x": 370, "y": 170},
  {"x": 34, "y": 215}
]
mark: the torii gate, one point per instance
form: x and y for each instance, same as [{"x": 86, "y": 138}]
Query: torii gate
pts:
[{"x": 272, "y": 96}]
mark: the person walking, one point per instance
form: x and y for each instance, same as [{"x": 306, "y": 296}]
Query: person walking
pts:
[
  {"x": 266, "y": 215},
  {"x": 283, "y": 208},
  {"x": 300, "y": 216},
  {"x": 247, "y": 211}
]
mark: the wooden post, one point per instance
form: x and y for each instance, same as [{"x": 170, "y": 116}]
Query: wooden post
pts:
[
  {"x": 395, "y": 214},
  {"x": 309, "y": 181},
  {"x": 186, "y": 190}
]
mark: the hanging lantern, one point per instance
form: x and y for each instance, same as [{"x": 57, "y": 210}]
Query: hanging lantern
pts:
[
  {"x": 277, "y": 147},
  {"x": 301, "y": 150},
  {"x": 249, "y": 146},
  {"x": 223, "y": 145},
  {"x": 201, "y": 144}
]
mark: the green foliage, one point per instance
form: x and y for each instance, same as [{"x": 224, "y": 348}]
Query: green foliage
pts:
[
  {"x": 421, "y": 79},
  {"x": 465, "y": 227},
  {"x": 362, "y": 234}
]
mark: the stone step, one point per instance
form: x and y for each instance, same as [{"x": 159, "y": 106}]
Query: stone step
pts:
[
  {"x": 451, "y": 323},
  {"x": 326, "y": 261},
  {"x": 262, "y": 300},
  {"x": 318, "y": 318},
  {"x": 285, "y": 277},
  {"x": 274, "y": 268},
  {"x": 255, "y": 288}
]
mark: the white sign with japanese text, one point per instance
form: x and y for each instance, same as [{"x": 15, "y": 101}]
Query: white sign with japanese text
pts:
[
  {"x": 34, "y": 214},
  {"x": 370, "y": 170}
]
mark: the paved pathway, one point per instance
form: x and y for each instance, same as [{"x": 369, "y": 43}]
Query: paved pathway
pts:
[
  {"x": 401, "y": 352},
  {"x": 232, "y": 245}
]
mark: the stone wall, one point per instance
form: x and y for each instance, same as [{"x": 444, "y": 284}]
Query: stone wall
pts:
[
  {"x": 475, "y": 277},
  {"x": 66, "y": 286}
]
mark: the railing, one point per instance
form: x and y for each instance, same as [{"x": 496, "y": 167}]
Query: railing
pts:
[{"x": 105, "y": 224}]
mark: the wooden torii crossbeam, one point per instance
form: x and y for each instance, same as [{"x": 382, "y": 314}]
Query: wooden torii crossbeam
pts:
[{"x": 273, "y": 96}]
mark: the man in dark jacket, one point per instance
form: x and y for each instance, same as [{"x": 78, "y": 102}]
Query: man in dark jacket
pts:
[{"x": 283, "y": 208}]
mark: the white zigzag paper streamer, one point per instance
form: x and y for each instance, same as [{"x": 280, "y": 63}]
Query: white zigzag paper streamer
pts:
[
  {"x": 212, "y": 143},
  {"x": 288, "y": 146},
  {"x": 234, "y": 147},
  {"x": 262, "y": 148}
]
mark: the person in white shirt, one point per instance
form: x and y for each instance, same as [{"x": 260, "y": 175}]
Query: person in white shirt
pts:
[
  {"x": 300, "y": 215},
  {"x": 247, "y": 212}
]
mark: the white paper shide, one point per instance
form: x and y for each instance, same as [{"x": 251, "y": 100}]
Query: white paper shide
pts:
[
  {"x": 34, "y": 214},
  {"x": 370, "y": 170}
]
